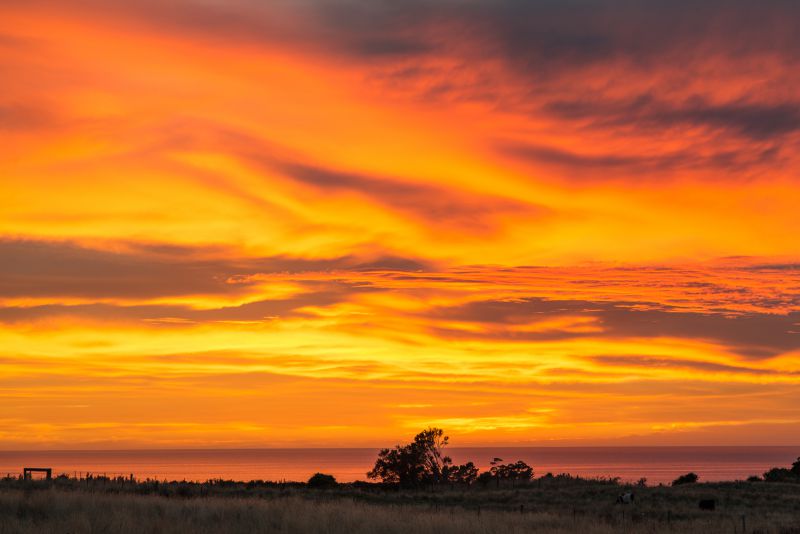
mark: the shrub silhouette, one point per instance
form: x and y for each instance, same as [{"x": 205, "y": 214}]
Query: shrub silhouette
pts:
[
  {"x": 514, "y": 471},
  {"x": 322, "y": 481},
  {"x": 485, "y": 478},
  {"x": 688, "y": 478},
  {"x": 782, "y": 474},
  {"x": 462, "y": 474},
  {"x": 518, "y": 470}
]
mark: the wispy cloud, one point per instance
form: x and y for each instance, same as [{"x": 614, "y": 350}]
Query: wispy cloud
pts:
[{"x": 502, "y": 216}]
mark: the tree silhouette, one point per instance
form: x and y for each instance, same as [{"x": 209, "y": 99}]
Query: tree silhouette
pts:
[
  {"x": 431, "y": 443},
  {"x": 421, "y": 463}
]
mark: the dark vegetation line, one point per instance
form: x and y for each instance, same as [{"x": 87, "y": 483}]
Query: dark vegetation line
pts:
[{"x": 419, "y": 465}]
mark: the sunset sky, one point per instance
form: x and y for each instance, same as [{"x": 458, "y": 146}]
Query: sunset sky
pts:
[{"x": 250, "y": 223}]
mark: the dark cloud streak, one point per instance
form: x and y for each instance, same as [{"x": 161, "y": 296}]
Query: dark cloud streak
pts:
[
  {"x": 140, "y": 271},
  {"x": 642, "y": 166},
  {"x": 755, "y": 120},
  {"x": 175, "y": 315},
  {"x": 656, "y": 363},
  {"x": 433, "y": 203},
  {"x": 753, "y": 335}
]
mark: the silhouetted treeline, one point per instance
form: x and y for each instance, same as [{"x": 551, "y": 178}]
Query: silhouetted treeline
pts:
[{"x": 423, "y": 463}]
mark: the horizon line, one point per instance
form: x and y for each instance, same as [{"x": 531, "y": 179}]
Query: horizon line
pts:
[{"x": 772, "y": 446}]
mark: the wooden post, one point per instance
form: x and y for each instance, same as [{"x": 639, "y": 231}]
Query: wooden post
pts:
[
  {"x": 522, "y": 508},
  {"x": 744, "y": 524}
]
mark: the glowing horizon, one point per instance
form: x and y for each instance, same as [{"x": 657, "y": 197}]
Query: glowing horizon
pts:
[{"x": 334, "y": 223}]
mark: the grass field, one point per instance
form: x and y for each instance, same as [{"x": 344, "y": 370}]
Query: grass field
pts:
[{"x": 583, "y": 506}]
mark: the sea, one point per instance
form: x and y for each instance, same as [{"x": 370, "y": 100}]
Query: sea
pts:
[{"x": 656, "y": 464}]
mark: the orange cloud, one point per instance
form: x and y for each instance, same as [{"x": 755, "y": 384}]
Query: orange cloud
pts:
[{"x": 336, "y": 222}]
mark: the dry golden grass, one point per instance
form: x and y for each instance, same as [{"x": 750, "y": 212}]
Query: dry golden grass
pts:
[{"x": 57, "y": 511}]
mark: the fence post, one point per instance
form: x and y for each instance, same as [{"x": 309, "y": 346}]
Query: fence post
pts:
[{"x": 744, "y": 524}]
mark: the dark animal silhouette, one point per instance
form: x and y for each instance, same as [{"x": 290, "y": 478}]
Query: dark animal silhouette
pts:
[
  {"x": 707, "y": 504},
  {"x": 625, "y": 498}
]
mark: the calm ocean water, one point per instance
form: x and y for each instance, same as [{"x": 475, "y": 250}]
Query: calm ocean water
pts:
[{"x": 657, "y": 464}]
